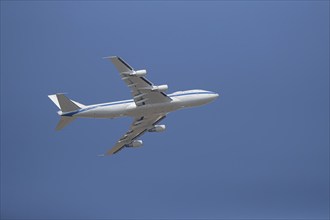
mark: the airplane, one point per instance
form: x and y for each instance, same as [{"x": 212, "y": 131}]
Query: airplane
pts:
[{"x": 149, "y": 106}]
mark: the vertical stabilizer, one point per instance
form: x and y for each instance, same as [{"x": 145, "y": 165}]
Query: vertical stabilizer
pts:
[{"x": 65, "y": 105}]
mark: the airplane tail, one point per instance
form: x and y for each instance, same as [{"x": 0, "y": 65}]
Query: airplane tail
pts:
[{"x": 65, "y": 105}]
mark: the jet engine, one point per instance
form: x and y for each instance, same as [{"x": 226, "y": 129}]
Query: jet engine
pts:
[
  {"x": 161, "y": 88},
  {"x": 136, "y": 143},
  {"x": 157, "y": 128},
  {"x": 140, "y": 73}
]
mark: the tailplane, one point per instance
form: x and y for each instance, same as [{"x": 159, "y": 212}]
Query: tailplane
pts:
[
  {"x": 65, "y": 105},
  {"x": 64, "y": 121}
]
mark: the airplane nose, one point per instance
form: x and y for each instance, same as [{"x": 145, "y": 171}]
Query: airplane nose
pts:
[
  {"x": 215, "y": 95},
  {"x": 212, "y": 97}
]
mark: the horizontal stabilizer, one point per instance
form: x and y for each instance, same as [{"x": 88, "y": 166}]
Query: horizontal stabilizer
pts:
[
  {"x": 78, "y": 104},
  {"x": 54, "y": 99},
  {"x": 64, "y": 122}
]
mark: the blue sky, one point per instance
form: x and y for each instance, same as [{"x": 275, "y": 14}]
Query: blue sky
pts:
[{"x": 260, "y": 151}]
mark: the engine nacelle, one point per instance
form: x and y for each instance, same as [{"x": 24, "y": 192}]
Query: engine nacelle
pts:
[
  {"x": 161, "y": 88},
  {"x": 157, "y": 128},
  {"x": 140, "y": 73},
  {"x": 136, "y": 143}
]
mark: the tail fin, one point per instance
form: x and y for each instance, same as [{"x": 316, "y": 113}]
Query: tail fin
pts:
[
  {"x": 65, "y": 120},
  {"x": 65, "y": 105}
]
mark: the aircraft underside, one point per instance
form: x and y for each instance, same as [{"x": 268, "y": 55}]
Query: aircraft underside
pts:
[{"x": 149, "y": 105}]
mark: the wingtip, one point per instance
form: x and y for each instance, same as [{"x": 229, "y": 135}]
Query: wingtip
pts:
[{"x": 110, "y": 57}]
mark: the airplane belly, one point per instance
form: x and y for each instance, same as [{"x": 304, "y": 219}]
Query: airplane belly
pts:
[{"x": 150, "y": 109}]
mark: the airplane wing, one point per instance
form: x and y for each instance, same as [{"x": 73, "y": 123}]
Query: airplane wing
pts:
[
  {"x": 139, "y": 126},
  {"x": 143, "y": 91}
]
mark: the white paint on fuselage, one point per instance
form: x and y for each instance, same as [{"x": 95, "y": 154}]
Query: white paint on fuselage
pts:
[{"x": 181, "y": 99}]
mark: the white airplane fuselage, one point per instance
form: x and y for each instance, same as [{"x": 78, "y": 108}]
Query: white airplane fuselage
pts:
[{"x": 182, "y": 99}]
